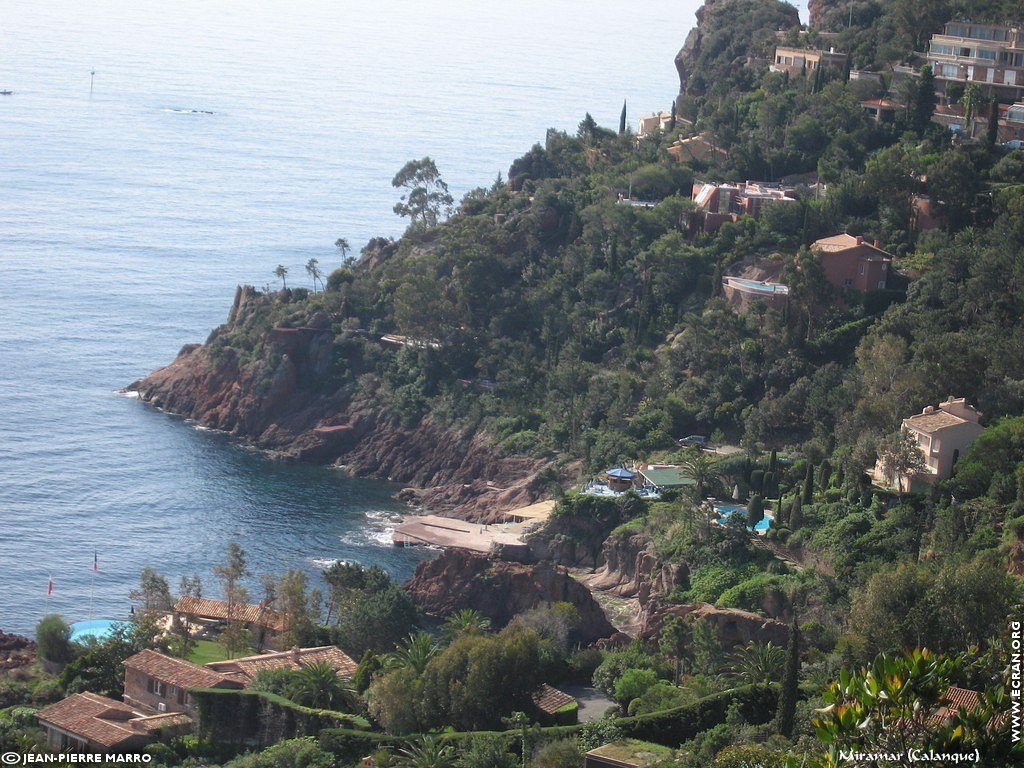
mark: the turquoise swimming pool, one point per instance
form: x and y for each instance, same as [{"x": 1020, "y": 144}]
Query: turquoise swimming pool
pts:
[
  {"x": 726, "y": 511},
  {"x": 97, "y": 628},
  {"x": 761, "y": 287}
]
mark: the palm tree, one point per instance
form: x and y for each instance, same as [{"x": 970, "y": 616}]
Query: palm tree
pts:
[
  {"x": 971, "y": 101},
  {"x": 317, "y": 685},
  {"x": 429, "y": 753},
  {"x": 414, "y": 653},
  {"x": 759, "y": 663},
  {"x": 314, "y": 271},
  {"x": 701, "y": 470},
  {"x": 468, "y": 621},
  {"x": 282, "y": 272}
]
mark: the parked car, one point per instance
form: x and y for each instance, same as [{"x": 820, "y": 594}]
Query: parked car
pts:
[{"x": 700, "y": 440}]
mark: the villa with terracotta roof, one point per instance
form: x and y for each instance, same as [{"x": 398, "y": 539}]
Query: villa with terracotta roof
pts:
[
  {"x": 718, "y": 203},
  {"x": 853, "y": 263},
  {"x": 264, "y": 622},
  {"x": 244, "y": 670},
  {"x": 942, "y": 435},
  {"x": 160, "y": 683},
  {"x": 88, "y": 722}
]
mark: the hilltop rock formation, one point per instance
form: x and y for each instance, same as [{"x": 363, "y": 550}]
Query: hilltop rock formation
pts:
[
  {"x": 733, "y": 626},
  {"x": 727, "y": 33},
  {"x": 500, "y": 590},
  {"x": 273, "y": 387}
]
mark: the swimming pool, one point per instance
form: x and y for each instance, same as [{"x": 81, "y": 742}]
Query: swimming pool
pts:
[
  {"x": 725, "y": 511},
  {"x": 754, "y": 285},
  {"x": 97, "y": 628}
]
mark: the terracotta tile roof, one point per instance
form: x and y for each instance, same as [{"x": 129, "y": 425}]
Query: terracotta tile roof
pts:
[
  {"x": 255, "y": 614},
  {"x": 844, "y": 242},
  {"x": 549, "y": 700},
  {"x": 92, "y": 717},
  {"x": 960, "y": 698},
  {"x": 245, "y": 669},
  {"x": 933, "y": 422},
  {"x": 178, "y": 672},
  {"x": 152, "y": 723}
]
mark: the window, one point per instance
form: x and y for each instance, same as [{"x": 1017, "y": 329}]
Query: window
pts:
[
  {"x": 881, "y": 285},
  {"x": 862, "y": 270},
  {"x": 984, "y": 53},
  {"x": 942, "y": 50},
  {"x": 847, "y": 282},
  {"x": 181, "y": 696},
  {"x": 157, "y": 688}
]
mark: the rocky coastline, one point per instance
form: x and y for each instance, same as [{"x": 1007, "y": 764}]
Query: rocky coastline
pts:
[{"x": 280, "y": 405}]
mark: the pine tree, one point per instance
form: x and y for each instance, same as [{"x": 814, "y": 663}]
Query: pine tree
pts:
[
  {"x": 790, "y": 682},
  {"x": 622, "y": 119},
  {"x": 808, "y": 494}
]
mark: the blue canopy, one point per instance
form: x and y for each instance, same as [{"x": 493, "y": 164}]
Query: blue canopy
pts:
[{"x": 625, "y": 474}]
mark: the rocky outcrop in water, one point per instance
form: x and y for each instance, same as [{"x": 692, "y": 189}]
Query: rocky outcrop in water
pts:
[
  {"x": 276, "y": 388},
  {"x": 500, "y": 590}
]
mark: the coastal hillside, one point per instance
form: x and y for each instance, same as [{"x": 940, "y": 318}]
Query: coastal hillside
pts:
[{"x": 765, "y": 355}]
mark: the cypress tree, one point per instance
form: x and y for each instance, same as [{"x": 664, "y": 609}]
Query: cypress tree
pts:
[
  {"x": 993, "y": 123},
  {"x": 757, "y": 481},
  {"x": 622, "y": 119},
  {"x": 773, "y": 461},
  {"x": 840, "y": 477},
  {"x": 790, "y": 683},
  {"x": 755, "y": 511},
  {"x": 924, "y": 99},
  {"x": 768, "y": 487},
  {"x": 796, "y": 513},
  {"x": 824, "y": 474},
  {"x": 809, "y": 484},
  {"x": 672, "y": 120}
]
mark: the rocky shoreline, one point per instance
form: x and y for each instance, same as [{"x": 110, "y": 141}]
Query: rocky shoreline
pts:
[{"x": 280, "y": 407}]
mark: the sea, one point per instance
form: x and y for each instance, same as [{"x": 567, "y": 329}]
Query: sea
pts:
[{"x": 154, "y": 155}]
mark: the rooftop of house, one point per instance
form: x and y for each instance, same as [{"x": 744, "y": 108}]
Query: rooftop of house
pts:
[
  {"x": 103, "y": 721},
  {"x": 246, "y": 668},
  {"x": 951, "y": 413},
  {"x": 177, "y": 672},
  {"x": 549, "y": 699},
  {"x": 666, "y": 476},
  {"x": 632, "y": 752},
  {"x": 846, "y": 242},
  {"x": 256, "y": 614}
]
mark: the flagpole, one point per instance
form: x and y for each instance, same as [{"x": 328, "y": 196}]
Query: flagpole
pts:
[{"x": 92, "y": 584}]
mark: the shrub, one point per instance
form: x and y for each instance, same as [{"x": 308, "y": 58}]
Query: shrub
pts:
[
  {"x": 53, "y": 639},
  {"x": 634, "y": 683}
]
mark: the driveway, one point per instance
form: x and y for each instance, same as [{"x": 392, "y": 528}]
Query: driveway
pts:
[{"x": 593, "y": 703}]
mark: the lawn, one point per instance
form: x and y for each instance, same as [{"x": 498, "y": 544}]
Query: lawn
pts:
[{"x": 207, "y": 651}]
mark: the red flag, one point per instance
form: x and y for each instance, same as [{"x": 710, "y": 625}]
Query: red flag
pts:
[
  {"x": 95, "y": 561},
  {"x": 49, "y": 587}
]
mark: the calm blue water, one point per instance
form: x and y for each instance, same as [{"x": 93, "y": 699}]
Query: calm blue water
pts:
[{"x": 127, "y": 219}]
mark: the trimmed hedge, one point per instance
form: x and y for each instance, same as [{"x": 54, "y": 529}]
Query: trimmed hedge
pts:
[
  {"x": 258, "y": 718},
  {"x": 670, "y": 727}
]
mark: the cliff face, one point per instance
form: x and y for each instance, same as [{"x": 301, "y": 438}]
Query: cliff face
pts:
[
  {"x": 727, "y": 33},
  {"x": 499, "y": 590},
  {"x": 281, "y": 397}
]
